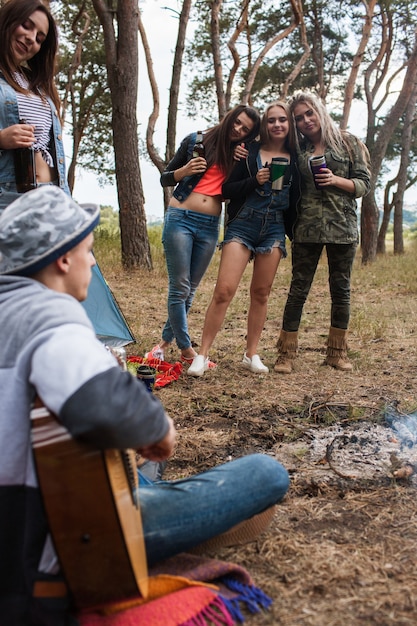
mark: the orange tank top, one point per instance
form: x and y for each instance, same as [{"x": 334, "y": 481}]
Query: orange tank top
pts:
[{"x": 211, "y": 182}]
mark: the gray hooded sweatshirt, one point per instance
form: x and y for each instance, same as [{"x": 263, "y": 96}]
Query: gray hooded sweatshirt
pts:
[{"x": 48, "y": 348}]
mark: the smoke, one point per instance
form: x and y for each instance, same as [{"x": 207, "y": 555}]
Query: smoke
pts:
[{"x": 404, "y": 427}]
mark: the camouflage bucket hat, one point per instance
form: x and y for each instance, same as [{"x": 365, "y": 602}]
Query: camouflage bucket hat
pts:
[{"x": 39, "y": 227}]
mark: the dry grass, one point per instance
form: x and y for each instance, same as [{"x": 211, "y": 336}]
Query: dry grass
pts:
[{"x": 340, "y": 551}]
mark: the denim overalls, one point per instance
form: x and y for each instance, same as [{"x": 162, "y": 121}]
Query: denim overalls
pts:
[{"x": 259, "y": 224}]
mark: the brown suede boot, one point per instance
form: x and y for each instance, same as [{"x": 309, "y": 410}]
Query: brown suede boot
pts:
[
  {"x": 287, "y": 349},
  {"x": 337, "y": 350}
]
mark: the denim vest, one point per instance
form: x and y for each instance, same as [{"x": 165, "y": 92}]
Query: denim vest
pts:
[
  {"x": 9, "y": 115},
  {"x": 185, "y": 186}
]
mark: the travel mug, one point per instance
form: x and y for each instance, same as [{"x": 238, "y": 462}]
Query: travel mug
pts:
[
  {"x": 278, "y": 167},
  {"x": 317, "y": 163},
  {"x": 147, "y": 375}
]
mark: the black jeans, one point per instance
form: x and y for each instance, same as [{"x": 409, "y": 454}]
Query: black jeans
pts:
[{"x": 305, "y": 257}]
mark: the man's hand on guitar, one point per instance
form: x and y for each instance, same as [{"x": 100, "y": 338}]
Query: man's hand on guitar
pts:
[{"x": 162, "y": 449}]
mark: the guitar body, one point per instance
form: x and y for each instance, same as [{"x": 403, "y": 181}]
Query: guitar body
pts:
[{"x": 94, "y": 521}]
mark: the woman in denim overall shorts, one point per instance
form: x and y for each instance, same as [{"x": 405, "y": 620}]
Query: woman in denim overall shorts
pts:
[{"x": 255, "y": 231}]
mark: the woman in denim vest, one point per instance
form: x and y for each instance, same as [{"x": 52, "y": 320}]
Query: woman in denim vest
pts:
[
  {"x": 27, "y": 62},
  {"x": 29, "y": 43},
  {"x": 191, "y": 224},
  {"x": 326, "y": 218},
  {"x": 255, "y": 230}
]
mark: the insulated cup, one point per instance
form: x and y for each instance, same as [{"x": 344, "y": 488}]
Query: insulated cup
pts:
[
  {"x": 147, "y": 375},
  {"x": 278, "y": 167},
  {"x": 317, "y": 163}
]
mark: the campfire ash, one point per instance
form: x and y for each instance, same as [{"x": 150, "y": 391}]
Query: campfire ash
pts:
[{"x": 360, "y": 450}]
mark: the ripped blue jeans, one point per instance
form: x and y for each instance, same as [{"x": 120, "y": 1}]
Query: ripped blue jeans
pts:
[{"x": 180, "y": 514}]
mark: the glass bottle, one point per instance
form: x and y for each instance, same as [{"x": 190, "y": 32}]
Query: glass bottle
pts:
[
  {"x": 24, "y": 168},
  {"x": 199, "y": 149}
]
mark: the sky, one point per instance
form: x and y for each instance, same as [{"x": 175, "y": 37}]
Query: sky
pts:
[{"x": 162, "y": 44}]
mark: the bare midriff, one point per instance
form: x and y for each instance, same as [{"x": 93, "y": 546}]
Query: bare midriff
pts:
[
  {"x": 200, "y": 203},
  {"x": 44, "y": 173}
]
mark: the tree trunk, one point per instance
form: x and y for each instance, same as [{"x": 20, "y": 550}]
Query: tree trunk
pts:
[
  {"x": 383, "y": 229},
  {"x": 241, "y": 25},
  {"x": 398, "y": 225},
  {"x": 174, "y": 89},
  {"x": 152, "y": 151},
  {"x": 378, "y": 148},
  {"x": 173, "y": 96},
  {"x": 217, "y": 59},
  {"x": 122, "y": 71},
  {"x": 357, "y": 60},
  {"x": 76, "y": 140},
  {"x": 369, "y": 226},
  {"x": 267, "y": 47},
  {"x": 303, "y": 58},
  {"x": 406, "y": 142}
]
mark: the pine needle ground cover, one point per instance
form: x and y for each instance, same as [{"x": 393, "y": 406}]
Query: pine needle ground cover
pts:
[{"x": 341, "y": 548}]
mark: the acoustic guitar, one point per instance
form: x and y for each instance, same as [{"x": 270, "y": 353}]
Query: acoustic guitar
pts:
[{"x": 93, "y": 513}]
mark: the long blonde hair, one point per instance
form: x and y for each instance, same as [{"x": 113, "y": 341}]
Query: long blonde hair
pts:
[
  {"x": 331, "y": 135},
  {"x": 290, "y": 140}
]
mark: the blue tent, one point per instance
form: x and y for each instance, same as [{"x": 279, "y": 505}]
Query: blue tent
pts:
[{"x": 105, "y": 315}]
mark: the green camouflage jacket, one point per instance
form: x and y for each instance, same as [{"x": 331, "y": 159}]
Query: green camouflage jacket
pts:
[{"x": 330, "y": 215}]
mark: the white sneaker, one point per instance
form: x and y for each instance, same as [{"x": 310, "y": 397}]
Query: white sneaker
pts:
[
  {"x": 156, "y": 353},
  {"x": 199, "y": 365},
  {"x": 254, "y": 364}
]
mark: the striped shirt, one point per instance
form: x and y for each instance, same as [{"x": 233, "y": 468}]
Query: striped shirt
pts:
[{"x": 36, "y": 111}]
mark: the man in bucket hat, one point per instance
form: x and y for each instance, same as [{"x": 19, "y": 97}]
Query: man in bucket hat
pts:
[{"x": 49, "y": 349}]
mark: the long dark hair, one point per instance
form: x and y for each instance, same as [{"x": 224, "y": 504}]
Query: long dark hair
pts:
[
  {"x": 219, "y": 148},
  {"x": 42, "y": 66}
]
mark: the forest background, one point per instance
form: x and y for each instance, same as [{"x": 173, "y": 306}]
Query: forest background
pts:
[{"x": 352, "y": 54}]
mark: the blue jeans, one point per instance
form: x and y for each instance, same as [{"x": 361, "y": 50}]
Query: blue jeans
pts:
[
  {"x": 189, "y": 240},
  {"x": 180, "y": 514}
]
